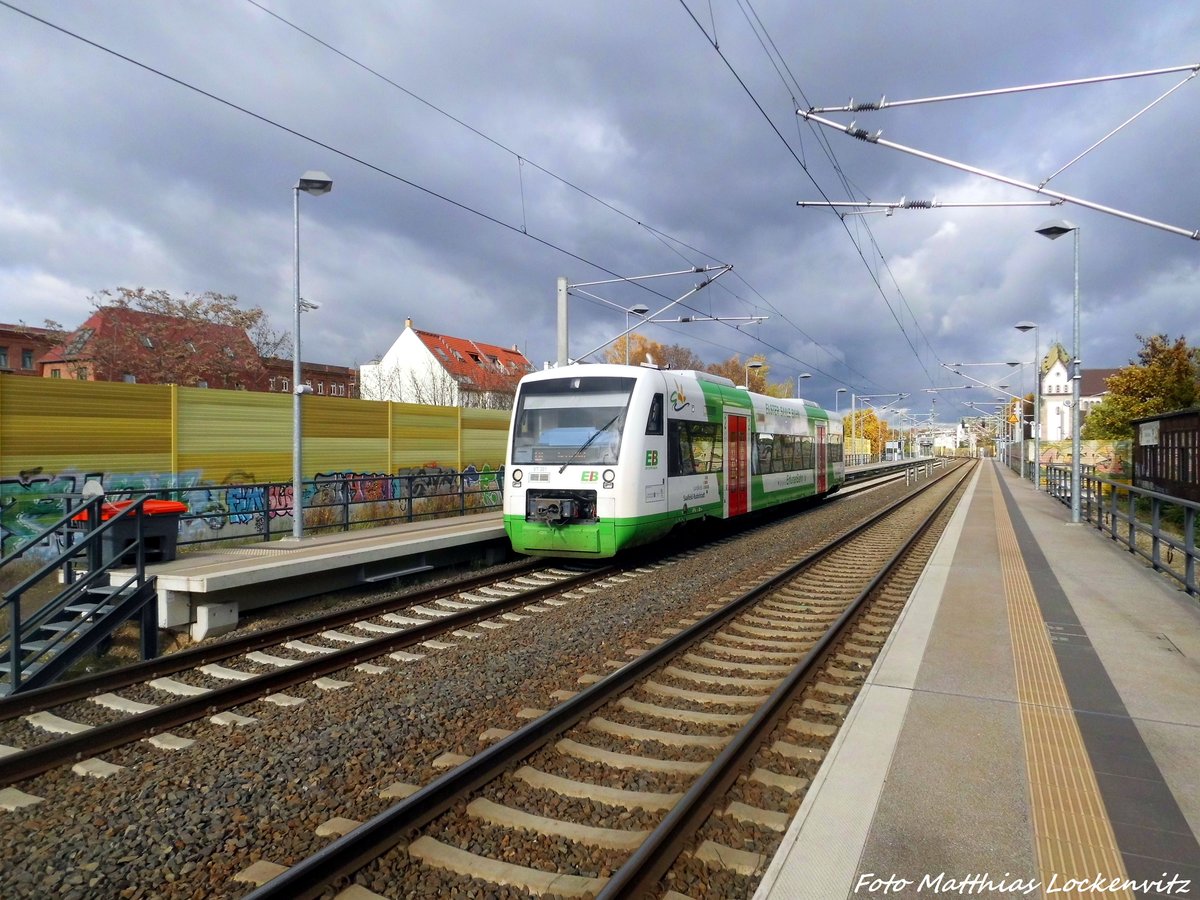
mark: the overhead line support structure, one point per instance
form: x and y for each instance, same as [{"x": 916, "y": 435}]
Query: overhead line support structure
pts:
[{"x": 875, "y": 137}]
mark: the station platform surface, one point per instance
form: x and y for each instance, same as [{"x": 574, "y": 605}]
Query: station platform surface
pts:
[
  {"x": 1032, "y": 728},
  {"x": 207, "y": 589}
]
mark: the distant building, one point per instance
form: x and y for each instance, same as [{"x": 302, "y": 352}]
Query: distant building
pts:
[
  {"x": 325, "y": 380},
  {"x": 22, "y": 346},
  {"x": 118, "y": 343},
  {"x": 1056, "y": 392},
  {"x": 440, "y": 370}
]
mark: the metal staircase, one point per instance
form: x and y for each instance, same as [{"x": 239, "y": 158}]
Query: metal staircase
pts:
[{"x": 41, "y": 647}]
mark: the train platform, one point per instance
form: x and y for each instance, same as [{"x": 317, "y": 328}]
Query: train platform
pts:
[
  {"x": 206, "y": 590},
  {"x": 1032, "y": 728}
]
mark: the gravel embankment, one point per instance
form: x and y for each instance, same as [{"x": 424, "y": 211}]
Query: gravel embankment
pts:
[{"x": 182, "y": 824}]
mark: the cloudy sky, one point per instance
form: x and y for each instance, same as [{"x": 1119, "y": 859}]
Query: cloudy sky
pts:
[{"x": 481, "y": 150}]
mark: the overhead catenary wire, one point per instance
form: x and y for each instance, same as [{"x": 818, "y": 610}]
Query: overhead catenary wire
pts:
[
  {"x": 792, "y": 152},
  {"x": 670, "y": 241}
]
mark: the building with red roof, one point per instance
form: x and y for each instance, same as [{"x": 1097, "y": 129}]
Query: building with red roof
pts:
[
  {"x": 441, "y": 370},
  {"x": 118, "y": 343},
  {"x": 21, "y": 346}
]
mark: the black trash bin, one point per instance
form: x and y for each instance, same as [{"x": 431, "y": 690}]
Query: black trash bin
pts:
[{"x": 160, "y": 530}]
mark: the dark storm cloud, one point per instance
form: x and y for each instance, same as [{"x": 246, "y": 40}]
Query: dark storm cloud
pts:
[{"x": 116, "y": 176}]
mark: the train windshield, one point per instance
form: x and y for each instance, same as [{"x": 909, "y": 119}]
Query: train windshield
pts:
[{"x": 571, "y": 421}]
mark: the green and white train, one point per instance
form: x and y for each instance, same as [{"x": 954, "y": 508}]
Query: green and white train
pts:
[{"x": 606, "y": 457}]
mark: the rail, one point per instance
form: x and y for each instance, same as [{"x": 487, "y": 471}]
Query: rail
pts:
[
  {"x": 1159, "y": 528},
  {"x": 309, "y": 877}
]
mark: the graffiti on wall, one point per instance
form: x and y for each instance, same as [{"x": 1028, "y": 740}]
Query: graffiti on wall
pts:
[
  {"x": 240, "y": 508},
  {"x": 1111, "y": 458}
]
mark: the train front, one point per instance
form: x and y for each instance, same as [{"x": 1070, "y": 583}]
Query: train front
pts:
[{"x": 565, "y": 450}]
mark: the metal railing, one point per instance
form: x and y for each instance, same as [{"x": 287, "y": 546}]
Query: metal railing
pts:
[
  {"x": 85, "y": 540},
  {"x": 262, "y": 511},
  {"x": 1159, "y": 528}
]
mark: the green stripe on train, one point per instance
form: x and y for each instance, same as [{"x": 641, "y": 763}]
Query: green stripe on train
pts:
[{"x": 599, "y": 538}]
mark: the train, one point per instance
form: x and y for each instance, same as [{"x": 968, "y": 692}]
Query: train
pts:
[{"x": 606, "y": 457}]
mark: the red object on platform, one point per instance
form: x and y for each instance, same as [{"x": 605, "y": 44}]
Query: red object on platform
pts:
[{"x": 150, "y": 508}]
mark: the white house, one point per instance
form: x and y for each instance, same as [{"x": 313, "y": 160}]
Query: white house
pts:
[
  {"x": 440, "y": 370},
  {"x": 1056, "y": 392}
]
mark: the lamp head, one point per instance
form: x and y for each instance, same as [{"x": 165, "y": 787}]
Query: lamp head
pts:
[
  {"x": 315, "y": 183},
  {"x": 1056, "y": 228},
  {"x": 1025, "y": 326}
]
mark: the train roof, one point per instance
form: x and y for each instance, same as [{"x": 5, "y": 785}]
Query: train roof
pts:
[{"x": 634, "y": 371}]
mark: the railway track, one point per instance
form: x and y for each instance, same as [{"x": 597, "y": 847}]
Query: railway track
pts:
[
  {"x": 611, "y": 792},
  {"x": 70, "y": 723}
]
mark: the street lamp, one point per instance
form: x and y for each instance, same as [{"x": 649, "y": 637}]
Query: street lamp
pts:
[
  {"x": 1037, "y": 401},
  {"x": 800, "y": 378},
  {"x": 639, "y": 310},
  {"x": 315, "y": 183},
  {"x": 753, "y": 364},
  {"x": 837, "y": 399},
  {"x": 1053, "y": 231}
]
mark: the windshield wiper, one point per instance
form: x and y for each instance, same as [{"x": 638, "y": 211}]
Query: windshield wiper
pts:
[{"x": 587, "y": 443}]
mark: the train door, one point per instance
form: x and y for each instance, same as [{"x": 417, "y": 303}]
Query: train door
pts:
[
  {"x": 822, "y": 458},
  {"x": 737, "y": 465}
]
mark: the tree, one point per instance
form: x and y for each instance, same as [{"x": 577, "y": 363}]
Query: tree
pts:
[
  {"x": 735, "y": 370},
  {"x": 864, "y": 423},
  {"x": 641, "y": 348},
  {"x": 1165, "y": 377},
  {"x": 156, "y": 338}
]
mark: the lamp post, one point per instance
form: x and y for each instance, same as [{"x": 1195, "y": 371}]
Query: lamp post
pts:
[
  {"x": 1053, "y": 231},
  {"x": 753, "y": 364},
  {"x": 837, "y": 398},
  {"x": 638, "y": 310},
  {"x": 1037, "y": 401},
  {"x": 800, "y": 378},
  {"x": 315, "y": 183}
]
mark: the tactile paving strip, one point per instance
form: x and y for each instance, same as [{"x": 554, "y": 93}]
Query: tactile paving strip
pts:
[{"x": 1071, "y": 827}]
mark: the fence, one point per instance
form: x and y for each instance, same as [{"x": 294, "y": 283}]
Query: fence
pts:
[
  {"x": 230, "y": 453},
  {"x": 264, "y": 511},
  {"x": 1157, "y": 527}
]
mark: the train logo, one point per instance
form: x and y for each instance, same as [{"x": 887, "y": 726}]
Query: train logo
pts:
[
  {"x": 651, "y": 459},
  {"x": 590, "y": 476},
  {"x": 678, "y": 400}
]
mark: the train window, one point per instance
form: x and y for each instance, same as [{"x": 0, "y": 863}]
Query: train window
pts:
[
  {"x": 835, "y": 448},
  {"x": 571, "y": 421},
  {"x": 805, "y": 455},
  {"x": 785, "y": 449},
  {"x": 693, "y": 448},
  {"x": 654, "y": 422},
  {"x": 760, "y": 463}
]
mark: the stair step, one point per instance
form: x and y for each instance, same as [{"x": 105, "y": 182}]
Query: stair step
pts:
[
  {"x": 98, "y": 591},
  {"x": 90, "y": 610},
  {"x": 58, "y": 627},
  {"x": 26, "y": 670},
  {"x": 35, "y": 646}
]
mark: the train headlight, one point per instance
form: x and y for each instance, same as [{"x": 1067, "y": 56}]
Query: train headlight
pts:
[
  {"x": 517, "y": 475},
  {"x": 609, "y": 477}
]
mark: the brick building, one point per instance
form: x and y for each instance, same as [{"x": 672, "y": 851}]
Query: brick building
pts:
[
  {"x": 325, "y": 380},
  {"x": 21, "y": 346}
]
